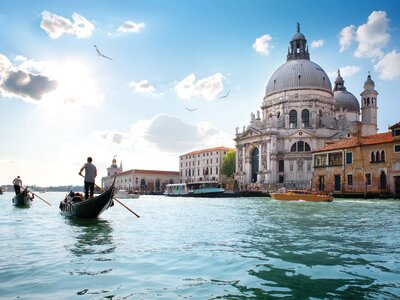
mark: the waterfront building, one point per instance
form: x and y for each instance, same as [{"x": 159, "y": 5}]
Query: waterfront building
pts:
[
  {"x": 360, "y": 165},
  {"x": 300, "y": 112},
  {"x": 202, "y": 165},
  {"x": 144, "y": 181}
]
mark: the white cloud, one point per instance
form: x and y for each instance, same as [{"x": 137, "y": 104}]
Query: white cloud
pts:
[
  {"x": 346, "y": 37},
  {"x": 317, "y": 43},
  {"x": 208, "y": 87},
  {"x": 171, "y": 134},
  {"x": 144, "y": 87},
  {"x": 130, "y": 26},
  {"x": 347, "y": 71},
  {"x": 20, "y": 58},
  {"x": 372, "y": 36},
  {"x": 115, "y": 137},
  {"x": 389, "y": 66},
  {"x": 261, "y": 45},
  {"x": 51, "y": 84},
  {"x": 22, "y": 83},
  {"x": 167, "y": 134},
  {"x": 56, "y": 25}
]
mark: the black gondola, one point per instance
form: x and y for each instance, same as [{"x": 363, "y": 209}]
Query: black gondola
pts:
[
  {"x": 22, "y": 199},
  {"x": 90, "y": 208}
]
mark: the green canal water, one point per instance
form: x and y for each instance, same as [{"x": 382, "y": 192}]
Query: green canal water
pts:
[{"x": 243, "y": 248}]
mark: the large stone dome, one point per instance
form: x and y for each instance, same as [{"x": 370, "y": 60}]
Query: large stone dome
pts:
[{"x": 298, "y": 74}]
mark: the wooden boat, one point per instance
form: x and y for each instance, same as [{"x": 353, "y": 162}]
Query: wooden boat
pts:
[
  {"x": 22, "y": 199},
  {"x": 297, "y": 195},
  {"x": 209, "y": 189},
  {"x": 90, "y": 208}
]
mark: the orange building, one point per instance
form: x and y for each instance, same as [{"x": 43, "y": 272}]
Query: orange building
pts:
[{"x": 360, "y": 165}]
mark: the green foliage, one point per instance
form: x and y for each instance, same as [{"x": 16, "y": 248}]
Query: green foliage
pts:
[{"x": 228, "y": 166}]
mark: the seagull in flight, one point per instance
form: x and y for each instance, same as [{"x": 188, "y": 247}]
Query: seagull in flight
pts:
[
  {"x": 225, "y": 96},
  {"x": 191, "y": 109},
  {"x": 100, "y": 54}
]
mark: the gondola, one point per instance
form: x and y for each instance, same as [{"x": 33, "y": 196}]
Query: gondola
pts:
[
  {"x": 22, "y": 199},
  {"x": 90, "y": 208}
]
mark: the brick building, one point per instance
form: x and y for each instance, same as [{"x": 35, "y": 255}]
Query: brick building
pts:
[{"x": 360, "y": 165}]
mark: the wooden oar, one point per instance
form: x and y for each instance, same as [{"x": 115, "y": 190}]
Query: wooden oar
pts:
[
  {"x": 117, "y": 200},
  {"x": 39, "y": 197}
]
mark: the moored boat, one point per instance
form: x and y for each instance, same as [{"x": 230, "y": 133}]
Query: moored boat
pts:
[
  {"x": 301, "y": 195},
  {"x": 22, "y": 199},
  {"x": 90, "y": 208},
  {"x": 122, "y": 194},
  {"x": 208, "y": 189}
]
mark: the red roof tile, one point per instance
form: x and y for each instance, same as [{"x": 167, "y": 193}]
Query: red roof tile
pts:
[
  {"x": 220, "y": 148},
  {"x": 372, "y": 139},
  {"x": 149, "y": 172},
  {"x": 397, "y": 125}
]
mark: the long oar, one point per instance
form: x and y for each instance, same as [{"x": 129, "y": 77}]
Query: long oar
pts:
[
  {"x": 117, "y": 200},
  {"x": 39, "y": 197}
]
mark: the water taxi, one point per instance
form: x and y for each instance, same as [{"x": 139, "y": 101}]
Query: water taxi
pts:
[
  {"x": 301, "y": 195},
  {"x": 207, "y": 189}
]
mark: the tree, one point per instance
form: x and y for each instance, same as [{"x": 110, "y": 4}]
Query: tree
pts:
[{"x": 229, "y": 164}]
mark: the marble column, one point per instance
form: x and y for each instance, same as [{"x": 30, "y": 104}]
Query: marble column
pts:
[
  {"x": 243, "y": 158},
  {"x": 269, "y": 156}
]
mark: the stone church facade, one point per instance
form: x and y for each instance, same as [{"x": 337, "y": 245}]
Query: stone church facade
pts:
[{"x": 300, "y": 113}]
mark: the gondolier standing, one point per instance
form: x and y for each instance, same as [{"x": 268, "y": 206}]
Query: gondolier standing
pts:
[
  {"x": 90, "y": 176},
  {"x": 17, "y": 182}
]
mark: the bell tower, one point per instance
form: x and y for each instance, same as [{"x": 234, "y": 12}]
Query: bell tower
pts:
[
  {"x": 369, "y": 107},
  {"x": 113, "y": 169}
]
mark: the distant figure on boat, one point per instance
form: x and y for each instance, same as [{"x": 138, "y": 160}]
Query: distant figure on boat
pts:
[
  {"x": 282, "y": 190},
  {"x": 90, "y": 176},
  {"x": 17, "y": 182}
]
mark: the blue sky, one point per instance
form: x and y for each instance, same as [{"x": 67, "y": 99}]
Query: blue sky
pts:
[{"x": 60, "y": 102}]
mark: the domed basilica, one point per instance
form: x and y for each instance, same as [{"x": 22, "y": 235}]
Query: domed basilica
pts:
[{"x": 300, "y": 113}]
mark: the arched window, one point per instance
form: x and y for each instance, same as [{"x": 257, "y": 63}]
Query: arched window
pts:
[
  {"x": 305, "y": 118},
  {"x": 254, "y": 164},
  {"x": 300, "y": 146},
  {"x": 293, "y": 119},
  {"x": 383, "y": 155},
  {"x": 378, "y": 157},
  {"x": 158, "y": 185},
  {"x": 383, "y": 180},
  {"x": 372, "y": 156}
]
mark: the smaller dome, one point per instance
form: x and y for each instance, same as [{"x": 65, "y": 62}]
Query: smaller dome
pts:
[
  {"x": 298, "y": 36},
  {"x": 369, "y": 83},
  {"x": 343, "y": 98},
  {"x": 346, "y": 100}
]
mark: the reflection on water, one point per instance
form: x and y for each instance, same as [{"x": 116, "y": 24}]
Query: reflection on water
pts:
[
  {"x": 306, "y": 251},
  {"x": 93, "y": 245},
  {"x": 92, "y": 237}
]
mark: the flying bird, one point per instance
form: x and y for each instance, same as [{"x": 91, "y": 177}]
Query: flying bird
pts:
[
  {"x": 191, "y": 109},
  {"x": 101, "y": 54},
  {"x": 225, "y": 96}
]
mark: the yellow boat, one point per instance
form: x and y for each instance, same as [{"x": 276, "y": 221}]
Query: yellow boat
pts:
[{"x": 297, "y": 195}]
